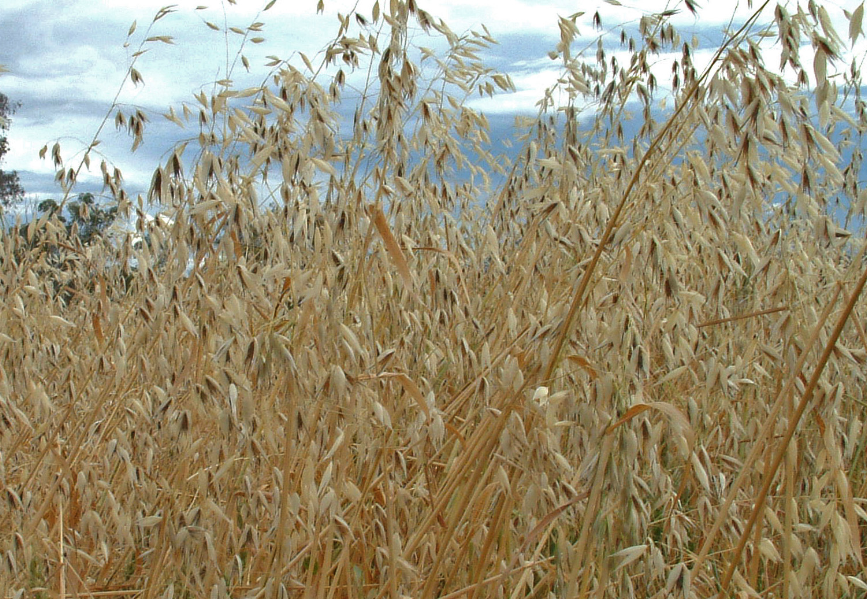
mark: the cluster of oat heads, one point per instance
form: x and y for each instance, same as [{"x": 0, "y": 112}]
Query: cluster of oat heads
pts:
[{"x": 345, "y": 364}]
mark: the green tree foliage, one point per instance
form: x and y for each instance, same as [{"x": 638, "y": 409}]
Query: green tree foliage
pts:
[
  {"x": 10, "y": 187},
  {"x": 84, "y": 218}
]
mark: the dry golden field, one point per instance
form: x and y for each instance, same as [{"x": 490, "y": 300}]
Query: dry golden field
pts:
[{"x": 372, "y": 359}]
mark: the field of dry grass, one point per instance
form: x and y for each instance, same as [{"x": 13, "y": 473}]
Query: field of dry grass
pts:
[{"x": 636, "y": 370}]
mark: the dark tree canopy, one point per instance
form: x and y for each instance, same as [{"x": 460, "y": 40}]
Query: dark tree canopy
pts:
[
  {"x": 86, "y": 218},
  {"x": 10, "y": 187}
]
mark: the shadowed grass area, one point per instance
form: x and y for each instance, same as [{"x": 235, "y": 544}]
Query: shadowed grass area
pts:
[{"x": 331, "y": 371}]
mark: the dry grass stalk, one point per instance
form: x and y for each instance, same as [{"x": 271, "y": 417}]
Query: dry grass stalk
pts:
[
  {"x": 794, "y": 421},
  {"x": 586, "y": 387}
]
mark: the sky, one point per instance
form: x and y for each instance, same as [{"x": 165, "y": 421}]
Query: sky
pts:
[{"x": 66, "y": 61}]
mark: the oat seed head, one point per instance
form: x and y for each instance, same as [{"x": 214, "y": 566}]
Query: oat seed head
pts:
[{"x": 368, "y": 357}]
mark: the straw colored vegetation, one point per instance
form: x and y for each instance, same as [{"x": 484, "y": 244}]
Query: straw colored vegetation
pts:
[{"x": 362, "y": 356}]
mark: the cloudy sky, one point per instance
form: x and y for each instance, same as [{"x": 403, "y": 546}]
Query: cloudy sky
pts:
[{"x": 66, "y": 61}]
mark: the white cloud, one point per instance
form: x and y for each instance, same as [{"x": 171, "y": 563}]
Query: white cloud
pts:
[{"x": 68, "y": 59}]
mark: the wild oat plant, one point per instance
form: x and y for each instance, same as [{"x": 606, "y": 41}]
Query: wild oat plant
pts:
[{"x": 359, "y": 354}]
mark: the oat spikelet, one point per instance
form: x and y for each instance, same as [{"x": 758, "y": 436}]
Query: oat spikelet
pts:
[{"x": 391, "y": 245}]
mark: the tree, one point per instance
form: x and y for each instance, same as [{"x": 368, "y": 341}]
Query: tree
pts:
[
  {"x": 10, "y": 187},
  {"x": 86, "y": 218}
]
